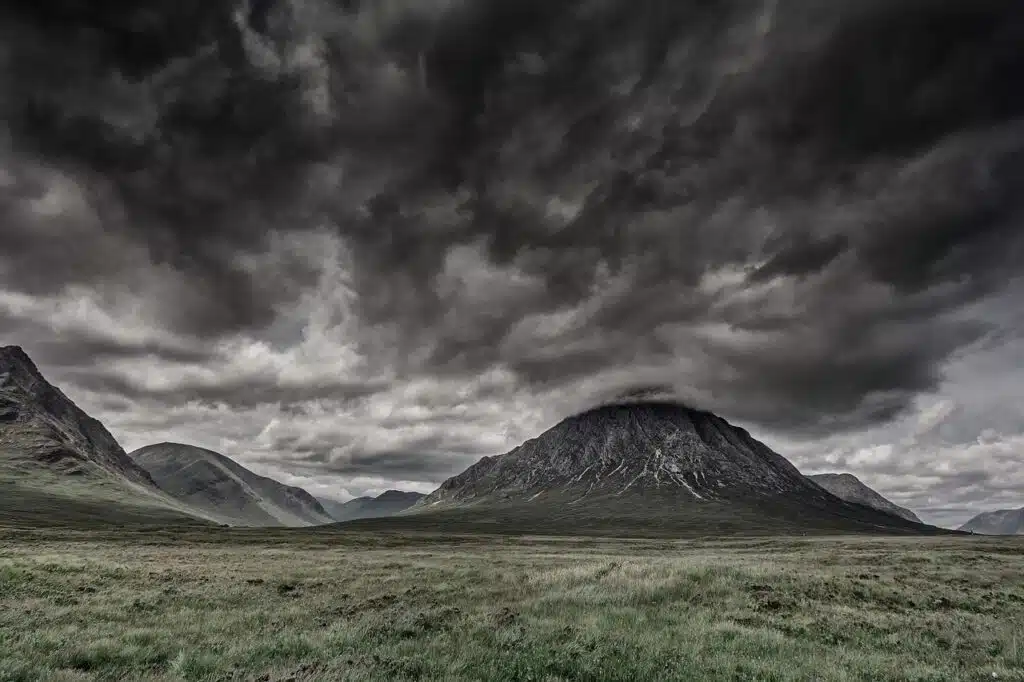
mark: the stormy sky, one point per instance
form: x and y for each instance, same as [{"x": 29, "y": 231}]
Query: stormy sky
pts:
[{"x": 359, "y": 244}]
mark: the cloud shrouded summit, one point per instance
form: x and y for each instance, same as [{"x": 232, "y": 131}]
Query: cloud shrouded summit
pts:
[{"x": 365, "y": 243}]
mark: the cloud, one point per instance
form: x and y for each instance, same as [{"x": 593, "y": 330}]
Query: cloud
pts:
[
  {"x": 947, "y": 460},
  {"x": 507, "y": 211}
]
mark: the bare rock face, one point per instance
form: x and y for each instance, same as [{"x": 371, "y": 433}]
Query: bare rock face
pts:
[
  {"x": 39, "y": 423},
  {"x": 1001, "y": 522},
  {"x": 850, "y": 488},
  {"x": 632, "y": 450},
  {"x": 225, "y": 490}
]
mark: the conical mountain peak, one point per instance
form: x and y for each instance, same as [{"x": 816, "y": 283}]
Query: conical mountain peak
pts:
[{"x": 628, "y": 449}]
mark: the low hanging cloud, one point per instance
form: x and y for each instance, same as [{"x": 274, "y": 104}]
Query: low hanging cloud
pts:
[{"x": 795, "y": 217}]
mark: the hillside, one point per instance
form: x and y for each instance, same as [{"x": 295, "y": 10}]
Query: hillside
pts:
[
  {"x": 1001, "y": 522},
  {"x": 59, "y": 465},
  {"x": 852, "y": 489},
  {"x": 388, "y": 503},
  {"x": 222, "y": 488}
]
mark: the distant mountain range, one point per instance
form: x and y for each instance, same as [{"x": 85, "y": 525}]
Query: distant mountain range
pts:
[
  {"x": 225, "y": 490},
  {"x": 851, "y": 489},
  {"x": 388, "y": 503},
  {"x": 635, "y": 469},
  {"x": 1002, "y": 522}
]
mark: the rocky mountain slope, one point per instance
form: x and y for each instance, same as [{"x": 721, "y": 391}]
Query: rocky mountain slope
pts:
[
  {"x": 630, "y": 450},
  {"x": 222, "y": 488},
  {"x": 1002, "y": 522},
  {"x": 59, "y": 464},
  {"x": 642, "y": 468},
  {"x": 388, "y": 503},
  {"x": 851, "y": 489}
]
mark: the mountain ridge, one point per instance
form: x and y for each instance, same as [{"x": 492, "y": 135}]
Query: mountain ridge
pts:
[
  {"x": 388, "y": 503},
  {"x": 208, "y": 480},
  {"x": 998, "y": 522},
  {"x": 850, "y": 488}
]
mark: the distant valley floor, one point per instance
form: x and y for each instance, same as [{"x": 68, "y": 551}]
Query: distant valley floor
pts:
[{"x": 303, "y": 605}]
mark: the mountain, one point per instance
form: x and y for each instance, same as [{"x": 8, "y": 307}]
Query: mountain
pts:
[
  {"x": 640, "y": 469},
  {"x": 58, "y": 464},
  {"x": 388, "y": 503},
  {"x": 851, "y": 489},
  {"x": 225, "y": 490},
  {"x": 1002, "y": 522}
]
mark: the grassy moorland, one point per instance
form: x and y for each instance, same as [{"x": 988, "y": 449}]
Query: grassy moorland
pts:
[{"x": 307, "y": 605}]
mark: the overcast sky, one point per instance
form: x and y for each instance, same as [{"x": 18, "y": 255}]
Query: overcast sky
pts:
[{"x": 358, "y": 245}]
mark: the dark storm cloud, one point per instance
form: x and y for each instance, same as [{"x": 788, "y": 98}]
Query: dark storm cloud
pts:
[
  {"x": 236, "y": 393},
  {"x": 421, "y": 465},
  {"x": 797, "y": 200},
  {"x": 87, "y": 349},
  {"x": 83, "y": 350},
  {"x": 426, "y": 458},
  {"x": 160, "y": 119},
  {"x": 881, "y": 151}
]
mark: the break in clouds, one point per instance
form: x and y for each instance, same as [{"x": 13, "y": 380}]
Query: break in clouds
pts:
[{"x": 359, "y": 245}]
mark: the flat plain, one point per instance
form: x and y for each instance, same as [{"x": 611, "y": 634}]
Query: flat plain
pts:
[{"x": 227, "y": 604}]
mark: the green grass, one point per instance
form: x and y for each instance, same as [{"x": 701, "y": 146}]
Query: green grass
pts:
[{"x": 311, "y": 605}]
